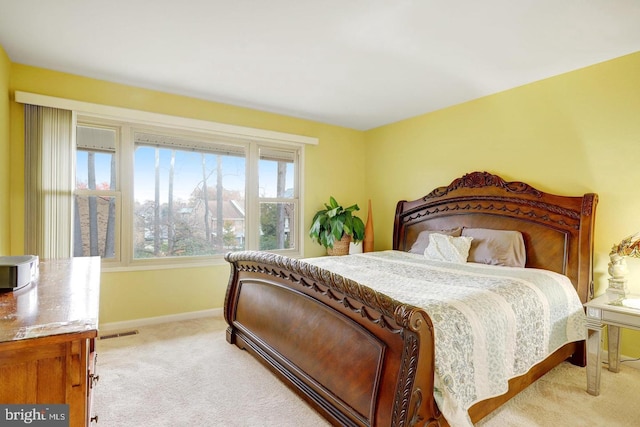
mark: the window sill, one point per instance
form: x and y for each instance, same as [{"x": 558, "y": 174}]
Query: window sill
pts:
[{"x": 180, "y": 263}]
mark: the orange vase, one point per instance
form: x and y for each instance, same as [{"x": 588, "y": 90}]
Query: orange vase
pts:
[{"x": 367, "y": 243}]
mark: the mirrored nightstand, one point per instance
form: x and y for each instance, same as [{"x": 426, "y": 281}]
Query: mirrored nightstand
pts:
[{"x": 614, "y": 313}]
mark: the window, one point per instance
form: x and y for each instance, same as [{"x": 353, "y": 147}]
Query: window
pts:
[
  {"x": 96, "y": 201},
  {"x": 188, "y": 195},
  {"x": 147, "y": 195},
  {"x": 98, "y": 147},
  {"x": 278, "y": 204}
]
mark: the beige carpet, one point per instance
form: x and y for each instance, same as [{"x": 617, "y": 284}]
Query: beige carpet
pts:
[{"x": 185, "y": 374}]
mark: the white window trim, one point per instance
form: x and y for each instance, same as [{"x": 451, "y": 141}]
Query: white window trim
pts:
[{"x": 167, "y": 121}]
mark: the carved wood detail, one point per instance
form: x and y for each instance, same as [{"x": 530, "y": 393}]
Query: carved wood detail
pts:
[
  {"x": 588, "y": 203},
  {"x": 484, "y": 179},
  {"x": 401, "y": 411},
  {"x": 546, "y": 208},
  {"x": 309, "y": 276}
]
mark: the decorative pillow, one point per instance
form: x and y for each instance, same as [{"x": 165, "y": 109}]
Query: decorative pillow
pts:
[
  {"x": 496, "y": 247},
  {"x": 448, "y": 248},
  {"x": 422, "y": 241}
]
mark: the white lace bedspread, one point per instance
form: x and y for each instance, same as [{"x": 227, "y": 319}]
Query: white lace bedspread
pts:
[{"x": 491, "y": 323}]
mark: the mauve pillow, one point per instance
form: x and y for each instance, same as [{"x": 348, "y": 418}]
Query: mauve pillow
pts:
[
  {"x": 422, "y": 241},
  {"x": 496, "y": 247}
]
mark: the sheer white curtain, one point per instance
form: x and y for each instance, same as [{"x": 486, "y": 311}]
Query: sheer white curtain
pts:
[{"x": 49, "y": 181}]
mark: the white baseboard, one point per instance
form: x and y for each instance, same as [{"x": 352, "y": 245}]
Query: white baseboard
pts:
[{"x": 136, "y": 323}]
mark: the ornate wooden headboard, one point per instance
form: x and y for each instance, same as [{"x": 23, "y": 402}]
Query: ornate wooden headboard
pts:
[{"x": 557, "y": 230}]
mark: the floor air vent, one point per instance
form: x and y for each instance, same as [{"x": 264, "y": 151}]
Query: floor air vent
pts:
[{"x": 118, "y": 334}]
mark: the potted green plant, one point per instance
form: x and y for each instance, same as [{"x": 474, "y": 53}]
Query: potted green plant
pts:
[{"x": 335, "y": 227}]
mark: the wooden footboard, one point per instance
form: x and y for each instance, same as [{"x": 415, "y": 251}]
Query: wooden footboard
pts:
[{"x": 358, "y": 357}]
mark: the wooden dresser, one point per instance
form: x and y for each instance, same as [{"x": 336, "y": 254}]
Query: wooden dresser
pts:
[{"x": 47, "y": 338}]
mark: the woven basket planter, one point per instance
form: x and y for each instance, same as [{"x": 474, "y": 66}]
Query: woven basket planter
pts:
[{"x": 340, "y": 247}]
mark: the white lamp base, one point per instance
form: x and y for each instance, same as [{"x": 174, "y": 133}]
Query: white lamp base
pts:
[
  {"x": 617, "y": 276},
  {"x": 617, "y": 288}
]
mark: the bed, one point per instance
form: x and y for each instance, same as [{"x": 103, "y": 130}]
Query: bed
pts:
[{"x": 363, "y": 358}]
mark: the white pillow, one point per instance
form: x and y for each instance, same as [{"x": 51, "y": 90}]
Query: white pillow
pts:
[
  {"x": 448, "y": 248},
  {"x": 422, "y": 241}
]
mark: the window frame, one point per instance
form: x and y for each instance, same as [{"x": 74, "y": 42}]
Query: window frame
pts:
[
  {"x": 89, "y": 109},
  {"x": 125, "y": 152},
  {"x": 295, "y": 200},
  {"x": 112, "y": 192}
]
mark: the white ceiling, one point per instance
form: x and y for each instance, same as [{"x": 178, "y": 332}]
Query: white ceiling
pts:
[{"x": 354, "y": 63}]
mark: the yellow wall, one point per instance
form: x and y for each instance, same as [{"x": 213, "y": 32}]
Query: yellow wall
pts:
[
  {"x": 5, "y": 158},
  {"x": 574, "y": 133},
  {"x": 141, "y": 294}
]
